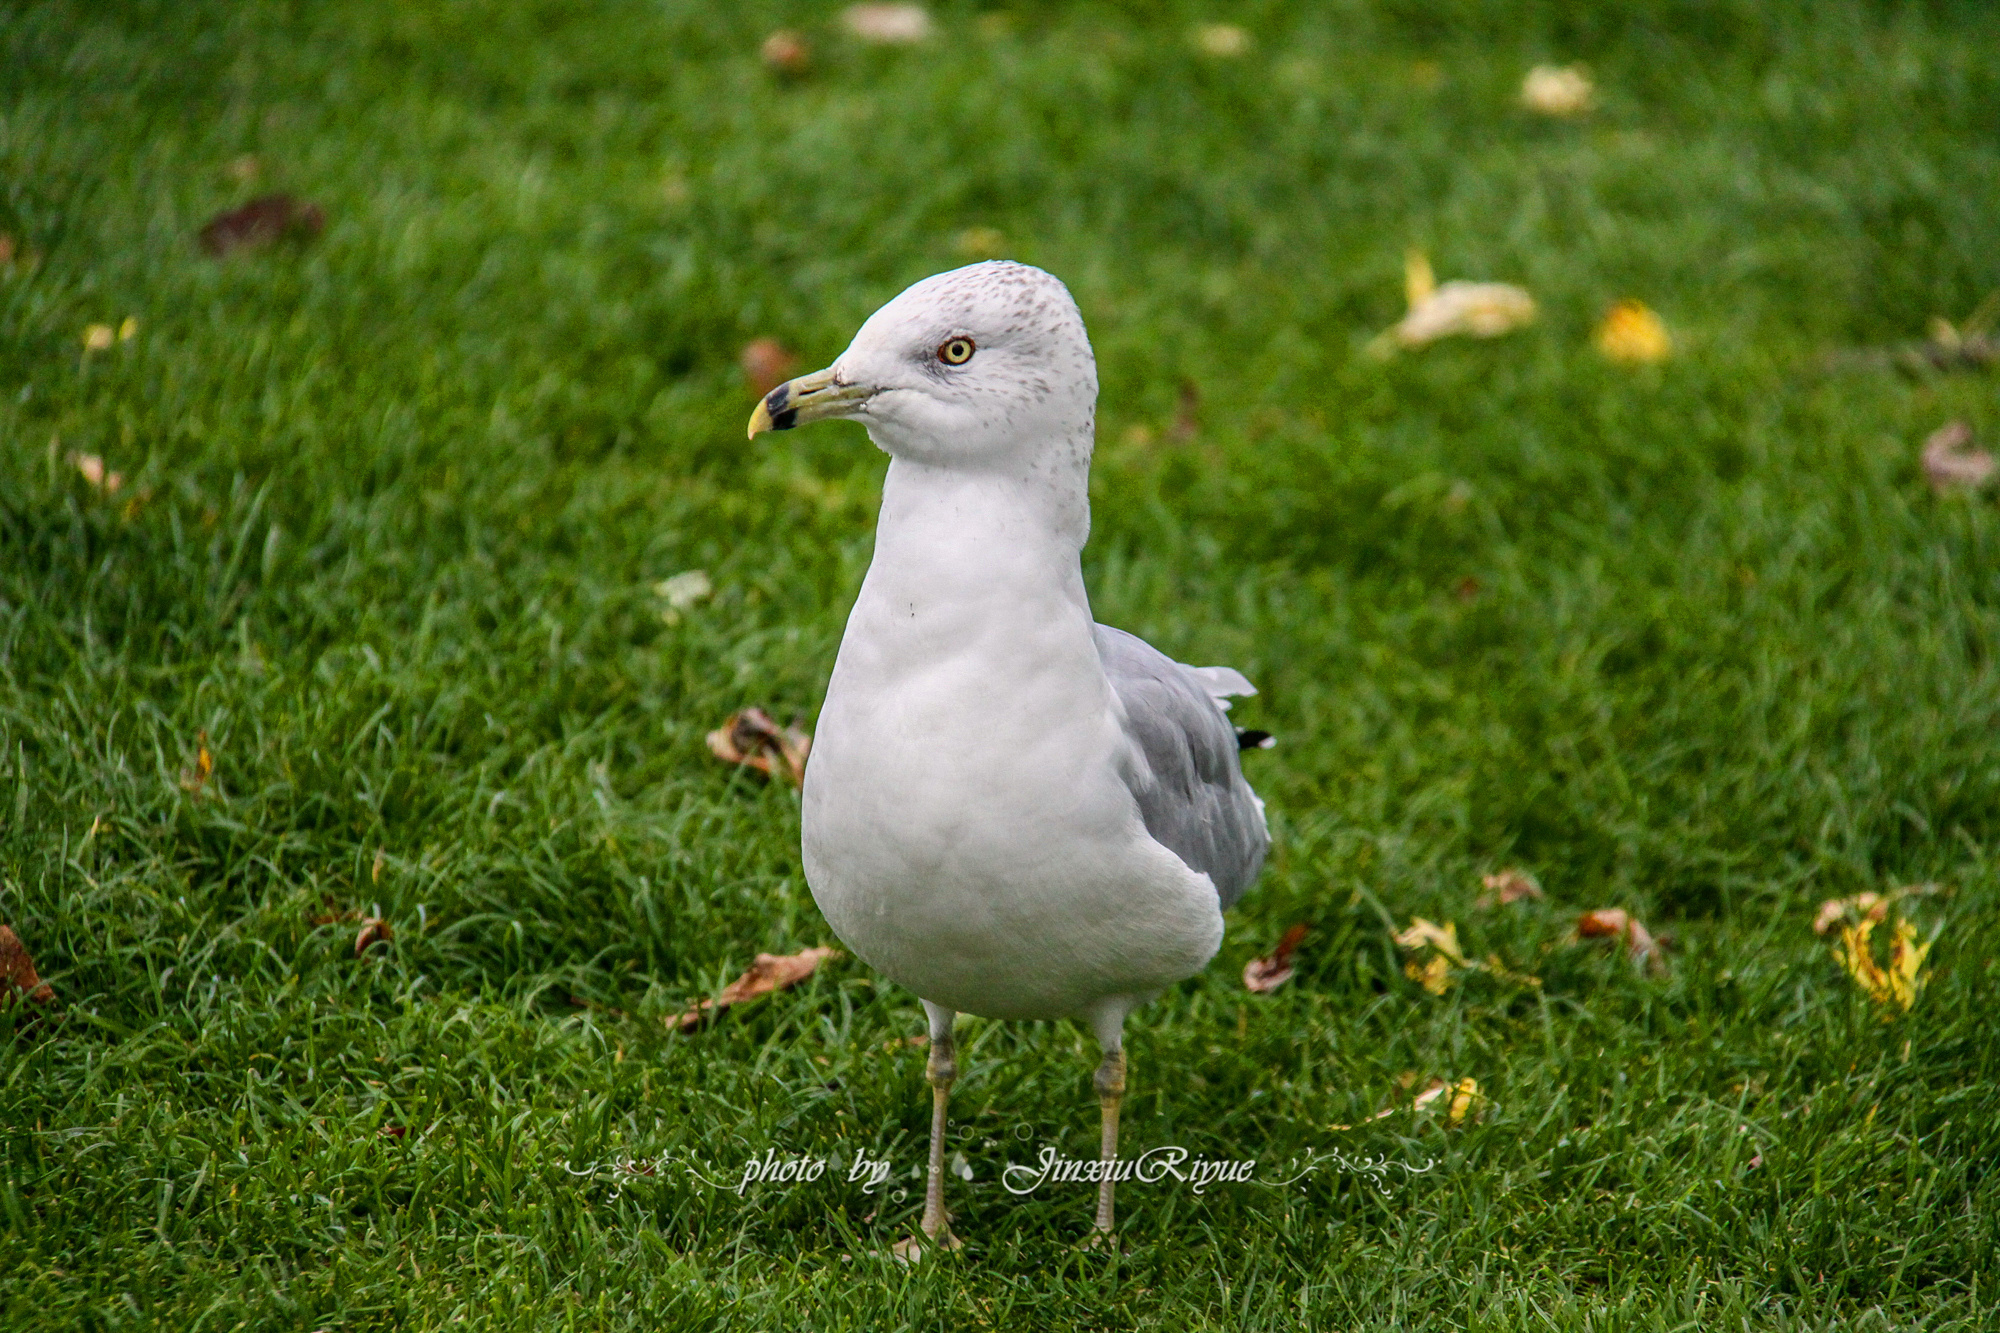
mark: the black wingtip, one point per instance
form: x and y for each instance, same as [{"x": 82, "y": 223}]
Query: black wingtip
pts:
[{"x": 1246, "y": 739}]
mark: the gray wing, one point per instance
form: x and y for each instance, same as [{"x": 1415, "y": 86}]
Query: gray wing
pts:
[{"x": 1192, "y": 795}]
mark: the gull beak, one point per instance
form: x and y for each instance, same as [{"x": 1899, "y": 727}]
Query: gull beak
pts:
[{"x": 808, "y": 398}]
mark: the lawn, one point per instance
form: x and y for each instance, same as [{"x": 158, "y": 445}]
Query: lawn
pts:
[{"x": 331, "y": 589}]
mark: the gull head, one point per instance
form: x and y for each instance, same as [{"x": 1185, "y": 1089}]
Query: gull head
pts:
[{"x": 983, "y": 366}]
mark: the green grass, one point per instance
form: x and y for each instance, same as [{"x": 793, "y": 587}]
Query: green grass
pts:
[{"x": 395, "y": 503}]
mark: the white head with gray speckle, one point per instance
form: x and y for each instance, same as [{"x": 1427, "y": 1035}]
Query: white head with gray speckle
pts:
[{"x": 981, "y": 367}]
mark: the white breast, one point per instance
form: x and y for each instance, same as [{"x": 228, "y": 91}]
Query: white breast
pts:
[{"x": 966, "y": 830}]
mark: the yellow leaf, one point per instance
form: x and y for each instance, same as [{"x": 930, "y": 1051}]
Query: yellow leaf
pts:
[
  {"x": 1442, "y": 938},
  {"x": 1418, "y": 280},
  {"x": 97, "y": 337},
  {"x": 1898, "y": 984},
  {"x": 1435, "y": 975},
  {"x": 1632, "y": 334},
  {"x": 1463, "y": 1094}
]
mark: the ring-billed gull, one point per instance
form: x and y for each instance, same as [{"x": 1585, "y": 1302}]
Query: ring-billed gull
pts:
[{"x": 1009, "y": 809}]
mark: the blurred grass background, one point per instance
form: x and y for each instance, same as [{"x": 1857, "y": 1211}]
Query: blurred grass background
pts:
[{"x": 1693, "y": 639}]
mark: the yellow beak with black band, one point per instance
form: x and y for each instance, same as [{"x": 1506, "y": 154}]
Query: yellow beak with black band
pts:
[{"x": 811, "y": 397}]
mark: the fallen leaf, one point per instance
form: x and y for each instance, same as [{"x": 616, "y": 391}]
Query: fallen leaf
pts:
[
  {"x": 786, "y": 52},
  {"x": 1464, "y": 1094},
  {"x": 17, "y": 972},
  {"x": 1474, "y": 309},
  {"x": 1896, "y": 985},
  {"x": 392, "y": 1131},
  {"x": 6, "y": 250},
  {"x": 262, "y": 222},
  {"x": 1617, "y": 923},
  {"x": 1951, "y": 461},
  {"x": 1552, "y": 90},
  {"x": 194, "y": 778},
  {"x": 91, "y": 468},
  {"x": 1510, "y": 885},
  {"x": 770, "y": 972},
  {"x": 128, "y": 328},
  {"x": 1464, "y": 1097},
  {"x": 1633, "y": 335},
  {"x": 766, "y": 364},
  {"x": 1264, "y": 975},
  {"x": 682, "y": 591},
  {"x": 1224, "y": 41},
  {"x": 752, "y": 739},
  {"x": 1432, "y": 973},
  {"x": 1859, "y": 907},
  {"x": 888, "y": 25},
  {"x": 374, "y": 930},
  {"x": 1422, "y": 933},
  {"x": 1466, "y": 589},
  {"x": 97, "y": 337},
  {"x": 244, "y": 169},
  {"x": 981, "y": 243}
]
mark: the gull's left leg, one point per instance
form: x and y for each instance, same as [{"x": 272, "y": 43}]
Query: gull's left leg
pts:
[{"x": 1107, "y": 1020}]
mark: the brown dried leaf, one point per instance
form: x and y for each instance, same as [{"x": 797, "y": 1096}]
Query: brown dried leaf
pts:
[
  {"x": 770, "y": 972},
  {"x": 752, "y": 739},
  {"x": 374, "y": 930},
  {"x": 17, "y": 972},
  {"x": 1511, "y": 885},
  {"x": 1264, "y": 975},
  {"x": 261, "y": 223},
  {"x": 786, "y": 52},
  {"x": 1950, "y": 460},
  {"x": 1617, "y": 923},
  {"x": 766, "y": 364}
]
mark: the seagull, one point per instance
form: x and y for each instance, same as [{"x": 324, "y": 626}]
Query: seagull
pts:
[{"x": 1009, "y": 809}]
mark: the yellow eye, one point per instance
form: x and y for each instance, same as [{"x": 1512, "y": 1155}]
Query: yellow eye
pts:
[{"x": 956, "y": 351}]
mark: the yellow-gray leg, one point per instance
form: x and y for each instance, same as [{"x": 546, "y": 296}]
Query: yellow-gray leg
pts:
[
  {"x": 1110, "y": 1091},
  {"x": 941, "y": 1070}
]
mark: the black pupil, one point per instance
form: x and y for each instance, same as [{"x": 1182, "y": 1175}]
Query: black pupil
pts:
[{"x": 958, "y": 350}]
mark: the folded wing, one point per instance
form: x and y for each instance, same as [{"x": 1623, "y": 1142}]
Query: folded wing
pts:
[{"x": 1190, "y": 789}]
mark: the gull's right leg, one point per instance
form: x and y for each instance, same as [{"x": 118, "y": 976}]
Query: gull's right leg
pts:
[{"x": 942, "y": 1071}]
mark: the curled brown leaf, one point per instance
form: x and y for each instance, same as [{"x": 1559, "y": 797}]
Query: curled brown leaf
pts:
[
  {"x": 262, "y": 223},
  {"x": 374, "y": 930},
  {"x": 770, "y": 972},
  {"x": 1264, "y": 975},
  {"x": 1508, "y": 886},
  {"x": 752, "y": 739},
  {"x": 1617, "y": 923},
  {"x": 17, "y": 972}
]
